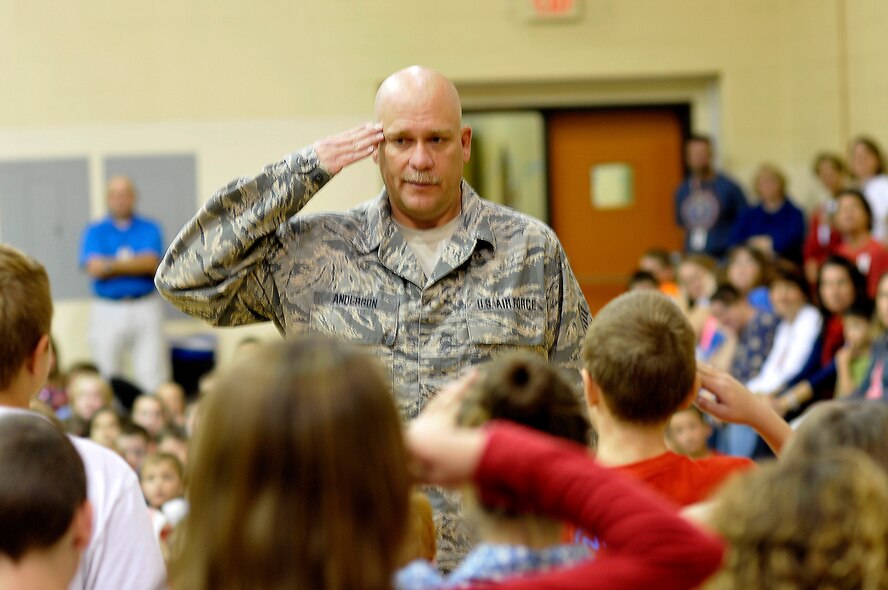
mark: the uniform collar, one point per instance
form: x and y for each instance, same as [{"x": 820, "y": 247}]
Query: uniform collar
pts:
[{"x": 381, "y": 234}]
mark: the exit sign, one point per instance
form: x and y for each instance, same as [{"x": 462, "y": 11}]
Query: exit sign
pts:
[{"x": 552, "y": 10}]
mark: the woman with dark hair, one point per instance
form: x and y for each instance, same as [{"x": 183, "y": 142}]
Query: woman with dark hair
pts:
[
  {"x": 868, "y": 166},
  {"x": 839, "y": 286},
  {"x": 854, "y": 219}
]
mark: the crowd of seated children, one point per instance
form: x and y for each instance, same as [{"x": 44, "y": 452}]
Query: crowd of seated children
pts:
[
  {"x": 839, "y": 286},
  {"x": 308, "y": 434}
]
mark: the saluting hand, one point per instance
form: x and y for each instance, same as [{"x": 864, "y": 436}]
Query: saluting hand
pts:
[{"x": 338, "y": 151}]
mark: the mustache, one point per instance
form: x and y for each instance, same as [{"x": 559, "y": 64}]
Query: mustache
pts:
[{"x": 421, "y": 178}]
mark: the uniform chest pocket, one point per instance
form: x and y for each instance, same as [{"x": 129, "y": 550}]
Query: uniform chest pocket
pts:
[
  {"x": 507, "y": 328},
  {"x": 358, "y": 318}
]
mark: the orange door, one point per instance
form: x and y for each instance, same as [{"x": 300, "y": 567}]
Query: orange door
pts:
[{"x": 640, "y": 150}]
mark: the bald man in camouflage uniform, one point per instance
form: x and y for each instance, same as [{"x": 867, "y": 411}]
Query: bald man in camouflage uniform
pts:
[{"x": 493, "y": 280}]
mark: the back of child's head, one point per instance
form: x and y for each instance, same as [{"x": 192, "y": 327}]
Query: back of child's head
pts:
[
  {"x": 25, "y": 310},
  {"x": 527, "y": 390},
  {"x": 726, "y": 294},
  {"x": 42, "y": 486},
  {"x": 304, "y": 432},
  {"x": 642, "y": 279},
  {"x": 640, "y": 352},
  {"x": 814, "y": 522},
  {"x": 858, "y": 424}
]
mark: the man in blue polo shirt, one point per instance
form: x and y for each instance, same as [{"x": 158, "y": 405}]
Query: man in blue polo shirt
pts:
[{"x": 121, "y": 254}]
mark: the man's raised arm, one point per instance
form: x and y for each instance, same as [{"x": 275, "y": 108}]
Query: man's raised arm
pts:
[{"x": 215, "y": 268}]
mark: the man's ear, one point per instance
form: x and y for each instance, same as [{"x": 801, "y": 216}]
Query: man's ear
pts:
[
  {"x": 40, "y": 357},
  {"x": 692, "y": 394},
  {"x": 591, "y": 390},
  {"x": 83, "y": 526},
  {"x": 465, "y": 138}
]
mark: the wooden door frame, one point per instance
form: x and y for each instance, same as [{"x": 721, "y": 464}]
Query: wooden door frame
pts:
[{"x": 701, "y": 91}]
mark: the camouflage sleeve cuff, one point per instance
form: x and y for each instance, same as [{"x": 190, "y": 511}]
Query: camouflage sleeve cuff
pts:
[{"x": 306, "y": 162}]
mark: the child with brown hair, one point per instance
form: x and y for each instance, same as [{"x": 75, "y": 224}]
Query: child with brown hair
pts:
[
  {"x": 688, "y": 433},
  {"x": 526, "y": 390},
  {"x": 639, "y": 370},
  {"x": 163, "y": 483}
]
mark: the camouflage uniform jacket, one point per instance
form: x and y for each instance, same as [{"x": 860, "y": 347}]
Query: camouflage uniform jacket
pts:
[{"x": 502, "y": 283}]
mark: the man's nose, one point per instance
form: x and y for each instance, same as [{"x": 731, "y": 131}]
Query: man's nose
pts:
[{"x": 420, "y": 157}]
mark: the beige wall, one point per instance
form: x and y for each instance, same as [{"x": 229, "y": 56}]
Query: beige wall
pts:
[{"x": 240, "y": 83}]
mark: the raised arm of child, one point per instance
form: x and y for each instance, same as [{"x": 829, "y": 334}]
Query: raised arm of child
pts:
[
  {"x": 649, "y": 545},
  {"x": 732, "y": 402}
]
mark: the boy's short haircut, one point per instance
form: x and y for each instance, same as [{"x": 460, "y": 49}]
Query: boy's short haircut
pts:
[
  {"x": 42, "y": 484},
  {"x": 25, "y": 310},
  {"x": 640, "y": 352},
  {"x": 861, "y": 308},
  {"x": 788, "y": 272},
  {"x": 158, "y": 458},
  {"x": 130, "y": 428},
  {"x": 643, "y": 276},
  {"x": 726, "y": 294},
  {"x": 174, "y": 432},
  {"x": 661, "y": 255}
]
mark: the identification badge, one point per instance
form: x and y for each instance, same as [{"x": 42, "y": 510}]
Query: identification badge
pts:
[{"x": 698, "y": 238}]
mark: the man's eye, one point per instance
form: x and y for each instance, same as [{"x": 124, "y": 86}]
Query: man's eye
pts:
[{"x": 399, "y": 141}]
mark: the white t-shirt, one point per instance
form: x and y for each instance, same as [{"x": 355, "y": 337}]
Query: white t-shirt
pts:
[
  {"x": 428, "y": 244},
  {"x": 122, "y": 553},
  {"x": 793, "y": 342}
]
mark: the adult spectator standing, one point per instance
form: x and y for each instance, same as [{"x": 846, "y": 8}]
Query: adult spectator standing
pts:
[
  {"x": 432, "y": 278},
  {"x": 121, "y": 254},
  {"x": 707, "y": 203},
  {"x": 775, "y": 226},
  {"x": 123, "y": 552}
]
